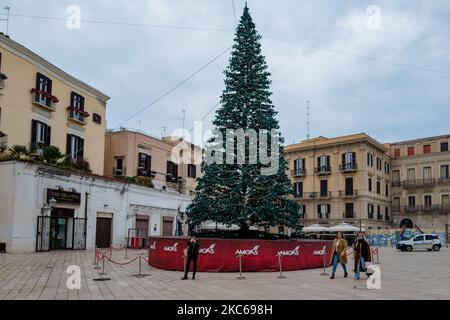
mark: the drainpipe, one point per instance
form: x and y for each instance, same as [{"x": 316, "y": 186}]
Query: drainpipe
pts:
[{"x": 86, "y": 196}]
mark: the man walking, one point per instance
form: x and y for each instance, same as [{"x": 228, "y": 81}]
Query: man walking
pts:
[
  {"x": 191, "y": 254},
  {"x": 339, "y": 254}
]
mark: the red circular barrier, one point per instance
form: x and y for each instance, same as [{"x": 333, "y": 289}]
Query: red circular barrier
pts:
[{"x": 220, "y": 255}]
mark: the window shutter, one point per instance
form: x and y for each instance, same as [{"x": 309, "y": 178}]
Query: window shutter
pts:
[
  {"x": 295, "y": 165},
  {"x": 318, "y": 162},
  {"x": 72, "y": 99},
  {"x": 48, "y": 134},
  {"x": 343, "y": 158},
  {"x": 354, "y": 157},
  {"x": 318, "y": 209},
  {"x": 328, "y": 161},
  {"x": 82, "y": 103},
  {"x": 80, "y": 153},
  {"x": 49, "y": 86},
  {"x": 38, "y": 78},
  {"x": 33, "y": 132},
  {"x": 69, "y": 146},
  {"x": 329, "y": 208}
]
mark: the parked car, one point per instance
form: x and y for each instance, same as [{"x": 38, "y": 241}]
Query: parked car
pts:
[{"x": 424, "y": 241}]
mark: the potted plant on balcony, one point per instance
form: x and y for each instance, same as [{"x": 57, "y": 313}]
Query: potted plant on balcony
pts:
[{"x": 17, "y": 151}]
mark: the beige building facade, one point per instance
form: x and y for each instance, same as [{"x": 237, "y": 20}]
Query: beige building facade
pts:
[
  {"x": 342, "y": 179},
  {"x": 421, "y": 183},
  {"x": 41, "y": 105},
  {"x": 132, "y": 153}
]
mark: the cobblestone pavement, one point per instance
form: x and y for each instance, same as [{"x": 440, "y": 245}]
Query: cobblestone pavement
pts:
[{"x": 418, "y": 275}]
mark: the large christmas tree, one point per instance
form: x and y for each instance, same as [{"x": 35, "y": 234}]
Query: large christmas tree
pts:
[{"x": 237, "y": 193}]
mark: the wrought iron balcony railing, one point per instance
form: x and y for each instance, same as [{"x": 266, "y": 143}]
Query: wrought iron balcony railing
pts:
[{"x": 348, "y": 167}]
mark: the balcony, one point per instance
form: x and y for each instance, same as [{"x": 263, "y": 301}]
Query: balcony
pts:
[
  {"x": 324, "y": 195},
  {"x": 78, "y": 116},
  {"x": 323, "y": 170},
  {"x": 309, "y": 195},
  {"x": 299, "y": 173},
  {"x": 143, "y": 173},
  {"x": 387, "y": 218},
  {"x": 44, "y": 100},
  {"x": 411, "y": 209},
  {"x": 379, "y": 216},
  {"x": 396, "y": 184},
  {"x": 396, "y": 209},
  {"x": 348, "y": 167},
  {"x": 428, "y": 208},
  {"x": 348, "y": 193},
  {"x": 120, "y": 172},
  {"x": 298, "y": 195},
  {"x": 443, "y": 208},
  {"x": 409, "y": 184},
  {"x": 444, "y": 180}
]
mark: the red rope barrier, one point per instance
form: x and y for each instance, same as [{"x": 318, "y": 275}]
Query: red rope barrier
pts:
[
  {"x": 120, "y": 263},
  {"x": 146, "y": 260}
]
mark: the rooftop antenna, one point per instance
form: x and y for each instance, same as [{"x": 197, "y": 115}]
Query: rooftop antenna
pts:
[
  {"x": 7, "y": 19},
  {"x": 308, "y": 119}
]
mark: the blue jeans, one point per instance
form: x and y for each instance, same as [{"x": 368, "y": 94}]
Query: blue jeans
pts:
[
  {"x": 335, "y": 263},
  {"x": 358, "y": 266}
]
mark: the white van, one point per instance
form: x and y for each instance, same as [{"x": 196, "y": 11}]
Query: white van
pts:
[{"x": 424, "y": 241}]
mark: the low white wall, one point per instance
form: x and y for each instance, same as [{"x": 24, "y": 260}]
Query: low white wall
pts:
[{"x": 23, "y": 189}]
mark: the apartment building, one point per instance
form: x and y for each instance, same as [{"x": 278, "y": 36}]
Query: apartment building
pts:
[
  {"x": 41, "y": 105},
  {"x": 342, "y": 179},
  {"x": 132, "y": 153},
  {"x": 421, "y": 183}
]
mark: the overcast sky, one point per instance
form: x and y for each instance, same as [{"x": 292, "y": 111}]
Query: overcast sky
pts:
[{"x": 322, "y": 51}]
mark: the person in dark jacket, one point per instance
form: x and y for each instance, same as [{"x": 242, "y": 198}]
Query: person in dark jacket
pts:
[
  {"x": 191, "y": 254},
  {"x": 361, "y": 253}
]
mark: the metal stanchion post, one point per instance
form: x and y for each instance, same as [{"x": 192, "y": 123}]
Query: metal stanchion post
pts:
[
  {"x": 281, "y": 270},
  {"x": 378, "y": 258},
  {"x": 103, "y": 273},
  {"x": 324, "y": 273},
  {"x": 240, "y": 268},
  {"x": 96, "y": 259},
  {"x": 110, "y": 253},
  {"x": 126, "y": 249}
]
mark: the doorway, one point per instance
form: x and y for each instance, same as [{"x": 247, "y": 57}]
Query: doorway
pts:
[
  {"x": 59, "y": 231},
  {"x": 168, "y": 226},
  {"x": 103, "y": 232}
]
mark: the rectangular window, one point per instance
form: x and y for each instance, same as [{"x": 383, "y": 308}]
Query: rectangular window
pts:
[
  {"x": 412, "y": 201},
  {"x": 445, "y": 174},
  {"x": 370, "y": 211},
  {"x": 444, "y": 146},
  {"x": 397, "y": 153},
  {"x": 387, "y": 167},
  {"x": 323, "y": 164},
  {"x": 378, "y": 187},
  {"x": 97, "y": 118},
  {"x": 324, "y": 211},
  {"x": 192, "y": 171},
  {"x": 370, "y": 160},
  {"x": 118, "y": 171},
  {"x": 411, "y": 174},
  {"x": 410, "y": 151},
  {"x": 428, "y": 201},
  {"x": 172, "y": 172},
  {"x": 75, "y": 147},
  {"x": 349, "y": 211},
  {"x": 396, "y": 203},
  {"x": 40, "y": 134},
  {"x": 386, "y": 213},
  {"x": 324, "y": 188},
  {"x": 379, "y": 217},
  {"x": 427, "y": 174},
  {"x": 445, "y": 199},
  {"x": 396, "y": 175},
  {"x": 427, "y": 149},
  {"x": 43, "y": 90},
  {"x": 299, "y": 165},
  {"x": 298, "y": 189},
  {"x": 76, "y": 107},
  {"x": 144, "y": 164},
  {"x": 348, "y": 186},
  {"x": 387, "y": 190},
  {"x": 370, "y": 184}
]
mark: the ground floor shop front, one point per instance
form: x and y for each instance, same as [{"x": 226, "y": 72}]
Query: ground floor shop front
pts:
[{"x": 43, "y": 209}]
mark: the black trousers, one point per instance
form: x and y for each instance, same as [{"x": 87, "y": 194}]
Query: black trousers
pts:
[{"x": 190, "y": 259}]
